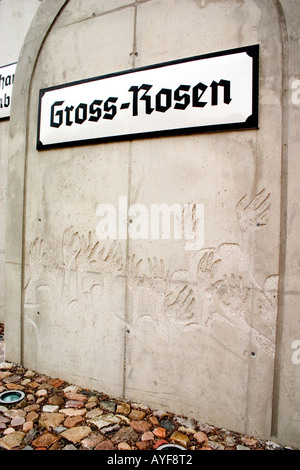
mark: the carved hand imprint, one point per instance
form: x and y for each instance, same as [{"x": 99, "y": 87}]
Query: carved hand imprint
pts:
[
  {"x": 70, "y": 247},
  {"x": 158, "y": 280},
  {"x": 85, "y": 258},
  {"x": 192, "y": 231},
  {"x": 135, "y": 279},
  {"x": 113, "y": 261},
  {"x": 232, "y": 293},
  {"x": 206, "y": 270},
  {"x": 254, "y": 215},
  {"x": 184, "y": 304},
  {"x": 37, "y": 259}
]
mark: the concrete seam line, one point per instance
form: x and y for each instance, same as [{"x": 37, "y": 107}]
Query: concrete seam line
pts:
[{"x": 283, "y": 215}]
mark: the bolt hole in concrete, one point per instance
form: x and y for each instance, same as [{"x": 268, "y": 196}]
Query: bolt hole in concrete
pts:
[
  {"x": 11, "y": 397},
  {"x": 253, "y": 354}
]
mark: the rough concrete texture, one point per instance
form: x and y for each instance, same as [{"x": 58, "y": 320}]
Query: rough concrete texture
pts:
[
  {"x": 3, "y": 175},
  {"x": 15, "y": 19},
  {"x": 205, "y": 333}
]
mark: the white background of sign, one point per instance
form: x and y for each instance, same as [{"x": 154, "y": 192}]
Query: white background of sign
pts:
[
  {"x": 7, "y": 73},
  {"x": 234, "y": 67}
]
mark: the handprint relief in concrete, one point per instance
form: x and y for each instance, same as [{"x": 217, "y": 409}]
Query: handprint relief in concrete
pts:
[
  {"x": 252, "y": 217},
  {"x": 217, "y": 285},
  {"x": 38, "y": 260}
]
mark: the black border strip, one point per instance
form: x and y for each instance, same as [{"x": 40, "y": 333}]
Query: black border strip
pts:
[
  {"x": 6, "y": 118},
  {"x": 250, "y": 123}
]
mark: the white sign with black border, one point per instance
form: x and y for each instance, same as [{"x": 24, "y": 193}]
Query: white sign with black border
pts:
[
  {"x": 211, "y": 92},
  {"x": 7, "y": 76}
]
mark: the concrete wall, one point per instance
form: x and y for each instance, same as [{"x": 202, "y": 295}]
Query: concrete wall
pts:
[
  {"x": 205, "y": 333},
  {"x": 15, "y": 19},
  {"x": 287, "y": 377}
]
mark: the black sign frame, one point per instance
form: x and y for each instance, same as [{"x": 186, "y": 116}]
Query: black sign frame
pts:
[{"x": 251, "y": 123}]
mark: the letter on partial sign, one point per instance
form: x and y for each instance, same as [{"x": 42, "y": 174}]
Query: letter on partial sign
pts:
[
  {"x": 59, "y": 114},
  {"x": 163, "y": 104},
  {"x": 95, "y": 112},
  {"x": 6, "y": 100},
  {"x": 68, "y": 110},
  {"x": 214, "y": 92},
  {"x": 185, "y": 97},
  {"x": 196, "y": 98},
  {"x": 81, "y": 113},
  {"x": 110, "y": 109}
]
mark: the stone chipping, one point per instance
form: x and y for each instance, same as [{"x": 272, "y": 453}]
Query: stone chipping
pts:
[{"x": 55, "y": 415}]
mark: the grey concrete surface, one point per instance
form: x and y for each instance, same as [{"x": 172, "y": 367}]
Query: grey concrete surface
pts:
[
  {"x": 15, "y": 19},
  {"x": 205, "y": 333}
]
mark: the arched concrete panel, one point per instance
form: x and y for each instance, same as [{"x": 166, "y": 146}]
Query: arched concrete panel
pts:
[
  {"x": 15, "y": 19},
  {"x": 21, "y": 125},
  {"x": 283, "y": 212},
  {"x": 16, "y": 196},
  {"x": 286, "y": 397}
]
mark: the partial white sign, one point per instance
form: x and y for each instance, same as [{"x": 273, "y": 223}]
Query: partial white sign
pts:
[
  {"x": 206, "y": 93},
  {"x": 7, "y": 75}
]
